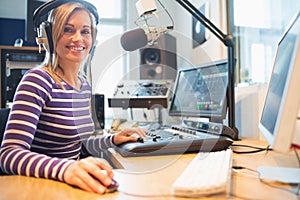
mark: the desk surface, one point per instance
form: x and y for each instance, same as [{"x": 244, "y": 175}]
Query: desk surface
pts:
[{"x": 151, "y": 178}]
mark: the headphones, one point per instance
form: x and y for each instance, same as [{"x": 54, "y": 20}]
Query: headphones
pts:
[{"x": 44, "y": 28}]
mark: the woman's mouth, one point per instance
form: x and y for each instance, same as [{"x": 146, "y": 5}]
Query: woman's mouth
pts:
[{"x": 73, "y": 48}]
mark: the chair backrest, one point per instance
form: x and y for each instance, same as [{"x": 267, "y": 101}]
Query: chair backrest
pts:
[{"x": 4, "y": 112}]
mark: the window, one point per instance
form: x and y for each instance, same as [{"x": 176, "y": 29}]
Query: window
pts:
[
  {"x": 259, "y": 25},
  {"x": 112, "y": 9},
  {"x": 107, "y": 68}
]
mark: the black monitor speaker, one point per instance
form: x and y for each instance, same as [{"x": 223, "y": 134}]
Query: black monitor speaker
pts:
[
  {"x": 32, "y": 5},
  {"x": 158, "y": 61},
  {"x": 98, "y": 111}
]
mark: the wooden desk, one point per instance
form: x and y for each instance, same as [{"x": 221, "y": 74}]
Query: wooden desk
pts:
[{"x": 152, "y": 177}]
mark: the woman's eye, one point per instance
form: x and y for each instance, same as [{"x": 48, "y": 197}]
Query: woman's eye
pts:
[
  {"x": 67, "y": 30},
  {"x": 86, "y": 31}
]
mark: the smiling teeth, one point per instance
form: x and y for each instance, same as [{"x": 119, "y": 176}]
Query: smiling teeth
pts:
[{"x": 76, "y": 48}]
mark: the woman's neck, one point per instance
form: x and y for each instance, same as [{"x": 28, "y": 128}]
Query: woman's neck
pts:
[{"x": 69, "y": 74}]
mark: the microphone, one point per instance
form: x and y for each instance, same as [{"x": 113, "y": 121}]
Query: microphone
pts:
[
  {"x": 138, "y": 38},
  {"x": 145, "y": 34},
  {"x": 134, "y": 39}
]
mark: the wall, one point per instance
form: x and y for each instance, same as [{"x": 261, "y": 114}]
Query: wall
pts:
[
  {"x": 13, "y": 18},
  {"x": 14, "y": 22},
  {"x": 249, "y": 104},
  {"x": 209, "y": 51},
  {"x": 15, "y": 9}
]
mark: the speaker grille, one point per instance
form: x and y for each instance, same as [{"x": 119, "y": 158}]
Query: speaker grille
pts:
[{"x": 159, "y": 61}]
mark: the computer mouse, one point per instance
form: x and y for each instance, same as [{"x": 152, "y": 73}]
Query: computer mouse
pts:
[{"x": 112, "y": 187}]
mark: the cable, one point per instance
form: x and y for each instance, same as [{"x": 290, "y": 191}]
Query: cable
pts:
[
  {"x": 145, "y": 115},
  {"x": 297, "y": 155},
  {"x": 131, "y": 114},
  {"x": 257, "y": 149},
  {"x": 298, "y": 158},
  {"x": 237, "y": 168},
  {"x": 172, "y": 21}
]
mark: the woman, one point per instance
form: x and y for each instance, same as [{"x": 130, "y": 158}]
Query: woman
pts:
[{"x": 50, "y": 118}]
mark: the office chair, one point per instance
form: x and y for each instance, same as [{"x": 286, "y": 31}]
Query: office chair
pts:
[{"x": 4, "y": 112}]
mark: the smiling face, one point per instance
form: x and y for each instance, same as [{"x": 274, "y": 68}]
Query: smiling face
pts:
[{"x": 75, "y": 42}]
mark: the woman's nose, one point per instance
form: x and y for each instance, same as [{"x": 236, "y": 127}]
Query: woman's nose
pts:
[{"x": 77, "y": 36}]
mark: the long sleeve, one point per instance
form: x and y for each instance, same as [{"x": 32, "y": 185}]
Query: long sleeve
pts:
[
  {"x": 46, "y": 127},
  {"x": 94, "y": 145}
]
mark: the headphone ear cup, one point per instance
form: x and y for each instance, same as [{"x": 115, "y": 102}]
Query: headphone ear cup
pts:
[
  {"x": 48, "y": 30},
  {"x": 45, "y": 36}
]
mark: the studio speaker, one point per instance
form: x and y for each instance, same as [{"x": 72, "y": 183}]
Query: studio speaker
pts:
[
  {"x": 158, "y": 61},
  {"x": 98, "y": 111}
]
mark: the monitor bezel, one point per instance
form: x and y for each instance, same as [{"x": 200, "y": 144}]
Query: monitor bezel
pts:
[
  {"x": 212, "y": 118},
  {"x": 281, "y": 138}
]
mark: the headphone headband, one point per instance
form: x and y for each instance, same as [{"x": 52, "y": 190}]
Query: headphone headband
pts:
[
  {"x": 44, "y": 28},
  {"x": 50, "y": 5}
]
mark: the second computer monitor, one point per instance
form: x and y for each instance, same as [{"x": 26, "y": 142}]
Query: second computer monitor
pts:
[
  {"x": 200, "y": 91},
  {"x": 279, "y": 115}
]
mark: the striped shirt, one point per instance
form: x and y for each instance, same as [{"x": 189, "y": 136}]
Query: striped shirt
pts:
[{"x": 47, "y": 126}]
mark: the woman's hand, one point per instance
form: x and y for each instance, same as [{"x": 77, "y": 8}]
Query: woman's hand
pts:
[
  {"x": 90, "y": 174},
  {"x": 126, "y": 135}
]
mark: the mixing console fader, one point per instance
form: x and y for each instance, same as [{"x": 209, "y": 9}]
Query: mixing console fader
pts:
[{"x": 141, "y": 94}]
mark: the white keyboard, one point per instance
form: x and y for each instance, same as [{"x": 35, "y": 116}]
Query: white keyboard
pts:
[{"x": 208, "y": 173}]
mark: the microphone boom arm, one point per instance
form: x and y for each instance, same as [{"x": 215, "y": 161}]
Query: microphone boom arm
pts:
[{"x": 227, "y": 40}]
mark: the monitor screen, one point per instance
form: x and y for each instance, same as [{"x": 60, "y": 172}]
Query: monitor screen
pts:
[
  {"x": 200, "y": 91},
  {"x": 281, "y": 104}
]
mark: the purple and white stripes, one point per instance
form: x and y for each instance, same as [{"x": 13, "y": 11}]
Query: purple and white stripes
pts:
[{"x": 47, "y": 126}]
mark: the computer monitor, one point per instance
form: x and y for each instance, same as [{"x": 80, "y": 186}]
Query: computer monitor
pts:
[
  {"x": 200, "y": 91},
  {"x": 279, "y": 115}
]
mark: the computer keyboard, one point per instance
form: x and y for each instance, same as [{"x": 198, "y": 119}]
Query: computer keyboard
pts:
[{"x": 208, "y": 173}]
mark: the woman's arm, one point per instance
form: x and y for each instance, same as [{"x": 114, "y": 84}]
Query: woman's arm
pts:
[
  {"x": 16, "y": 156},
  {"x": 94, "y": 145}
]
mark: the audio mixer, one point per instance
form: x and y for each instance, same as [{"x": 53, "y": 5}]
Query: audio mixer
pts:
[
  {"x": 190, "y": 137},
  {"x": 141, "y": 94}
]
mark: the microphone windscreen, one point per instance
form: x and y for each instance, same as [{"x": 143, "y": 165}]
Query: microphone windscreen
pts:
[{"x": 134, "y": 39}]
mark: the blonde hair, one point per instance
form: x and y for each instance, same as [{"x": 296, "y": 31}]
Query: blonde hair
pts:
[{"x": 58, "y": 18}]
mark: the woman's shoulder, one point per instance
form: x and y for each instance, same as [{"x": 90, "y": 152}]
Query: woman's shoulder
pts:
[
  {"x": 38, "y": 70},
  {"x": 40, "y": 73},
  {"x": 39, "y": 76}
]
